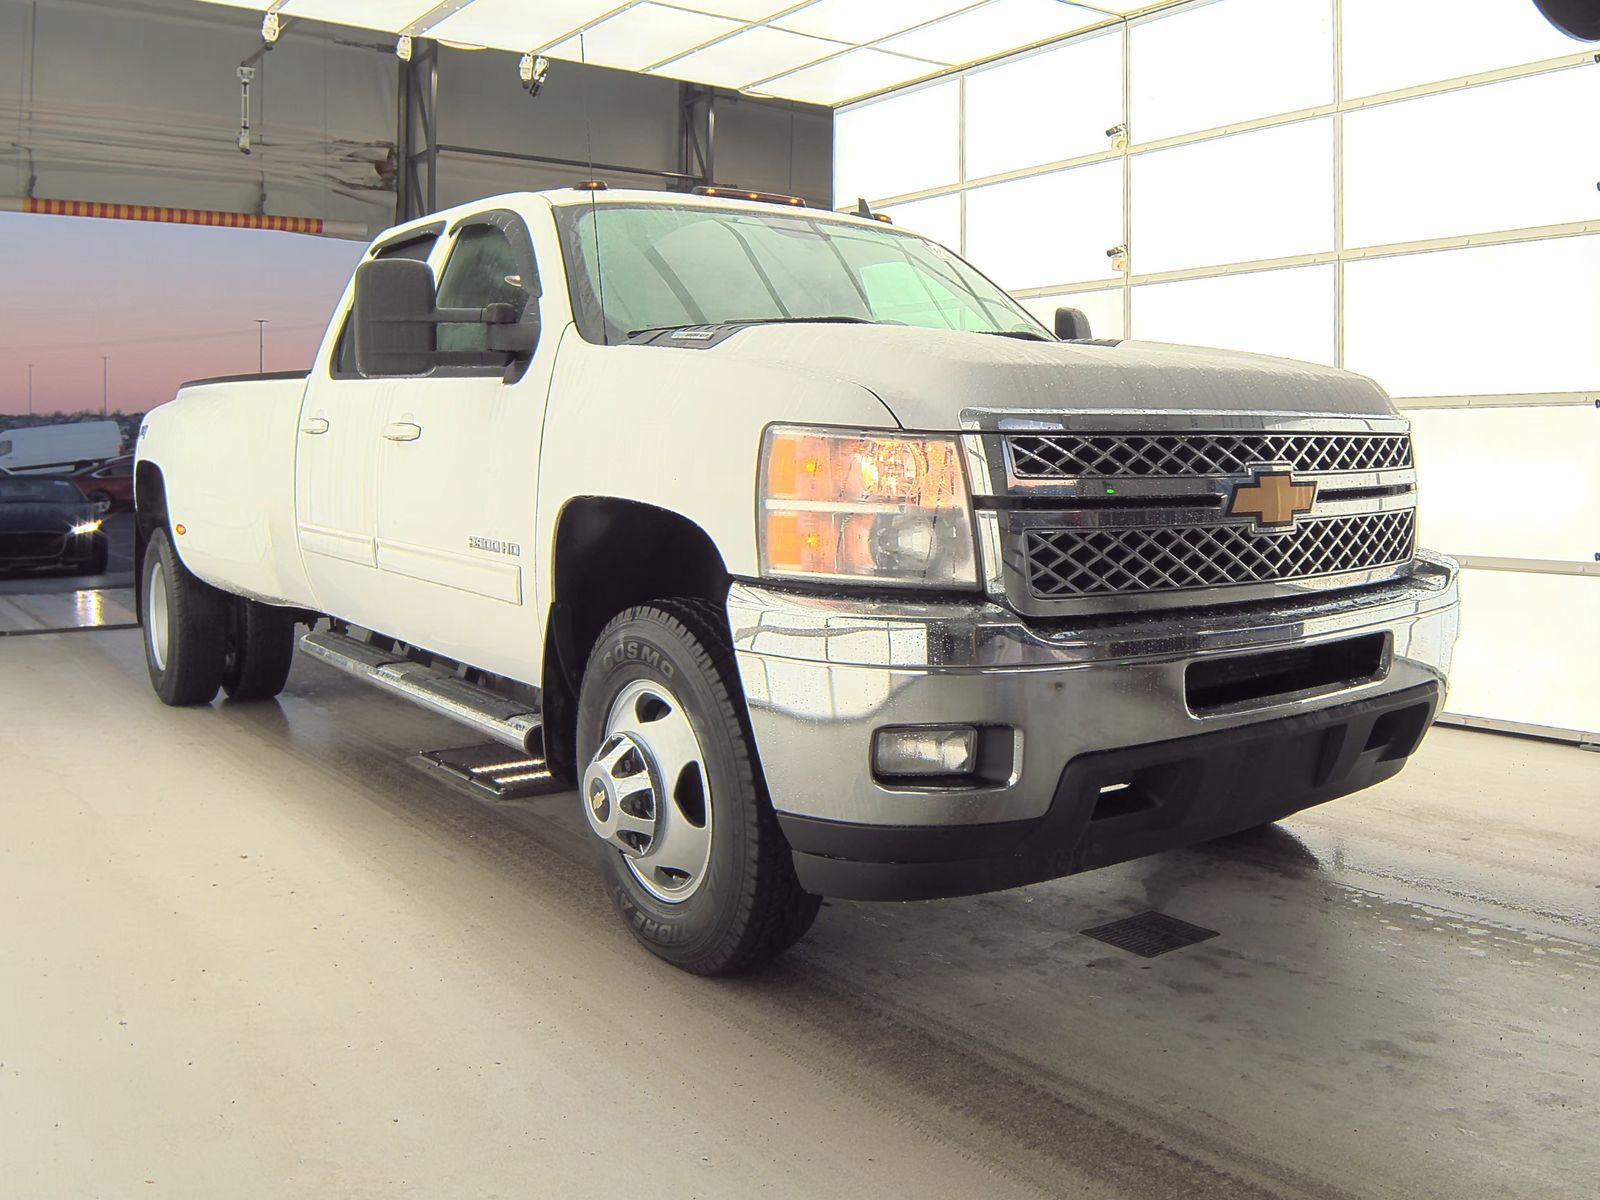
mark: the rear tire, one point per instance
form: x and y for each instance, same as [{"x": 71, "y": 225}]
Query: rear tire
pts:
[
  {"x": 662, "y": 680},
  {"x": 260, "y": 650},
  {"x": 101, "y": 501},
  {"x": 184, "y": 622}
]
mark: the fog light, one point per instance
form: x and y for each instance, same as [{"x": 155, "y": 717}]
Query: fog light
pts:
[
  {"x": 925, "y": 750},
  {"x": 83, "y": 527}
]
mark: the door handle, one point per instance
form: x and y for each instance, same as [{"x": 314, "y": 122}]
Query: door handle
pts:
[
  {"x": 315, "y": 425},
  {"x": 402, "y": 431}
]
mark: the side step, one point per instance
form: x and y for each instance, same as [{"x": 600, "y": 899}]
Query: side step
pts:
[
  {"x": 504, "y": 720},
  {"x": 490, "y": 771}
]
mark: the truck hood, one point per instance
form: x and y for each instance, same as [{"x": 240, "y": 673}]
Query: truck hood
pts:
[{"x": 928, "y": 378}]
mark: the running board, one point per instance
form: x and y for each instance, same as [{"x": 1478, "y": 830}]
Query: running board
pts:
[{"x": 507, "y": 721}]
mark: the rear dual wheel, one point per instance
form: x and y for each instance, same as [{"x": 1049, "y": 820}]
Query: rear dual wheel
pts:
[
  {"x": 688, "y": 844},
  {"x": 198, "y": 640}
]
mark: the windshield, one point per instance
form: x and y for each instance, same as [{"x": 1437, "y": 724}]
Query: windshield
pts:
[
  {"x": 664, "y": 266},
  {"x": 52, "y": 491}
]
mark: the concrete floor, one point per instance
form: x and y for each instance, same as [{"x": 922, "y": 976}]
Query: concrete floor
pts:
[{"x": 250, "y": 951}]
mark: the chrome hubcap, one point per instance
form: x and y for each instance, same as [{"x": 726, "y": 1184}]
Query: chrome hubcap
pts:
[
  {"x": 647, "y": 794},
  {"x": 155, "y": 617}
]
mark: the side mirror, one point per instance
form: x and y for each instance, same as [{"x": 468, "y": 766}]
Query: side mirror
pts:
[
  {"x": 1072, "y": 325},
  {"x": 1575, "y": 18},
  {"x": 394, "y": 317},
  {"x": 507, "y": 335}
]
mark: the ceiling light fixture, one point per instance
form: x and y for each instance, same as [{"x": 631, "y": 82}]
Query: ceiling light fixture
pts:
[{"x": 533, "y": 69}]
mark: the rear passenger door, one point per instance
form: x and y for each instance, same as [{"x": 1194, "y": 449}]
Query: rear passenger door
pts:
[
  {"x": 336, "y": 467},
  {"x": 458, "y": 464}
]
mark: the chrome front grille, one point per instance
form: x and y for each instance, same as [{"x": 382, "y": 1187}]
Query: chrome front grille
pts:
[
  {"x": 1095, "y": 513},
  {"x": 1077, "y": 563},
  {"x": 1186, "y": 455}
]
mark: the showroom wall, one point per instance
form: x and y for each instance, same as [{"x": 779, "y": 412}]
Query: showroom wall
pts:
[
  {"x": 1405, "y": 188},
  {"x": 137, "y": 102}
]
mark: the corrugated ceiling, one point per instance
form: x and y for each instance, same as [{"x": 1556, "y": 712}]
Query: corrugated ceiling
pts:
[{"x": 819, "y": 51}]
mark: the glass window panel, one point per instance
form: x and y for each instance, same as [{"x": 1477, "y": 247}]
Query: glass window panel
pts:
[
  {"x": 993, "y": 27},
  {"x": 1467, "y": 456},
  {"x": 1487, "y": 320},
  {"x": 1390, "y": 44},
  {"x": 1049, "y": 230},
  {"x": 1496, "y": 157},
  {"x": 938, "y": 218},
  {"x": 1044, "y": 108},
  {"x": 1529, "y": 649},
  {"x": 905, "y": 143},
  {"x": 1288, "y": 313},
  {"x": 1103, "y": 308},
  {"x": 1229, "y": 62},
  {"x": 1254, "y": 195}
]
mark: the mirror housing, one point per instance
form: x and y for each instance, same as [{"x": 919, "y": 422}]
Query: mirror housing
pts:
[
  {"x": 394, "y": 317},
  {"x": 1576, "y": 18},
  {"x": 396, "y": 320},
  {"x": 1072, "y": 325}
]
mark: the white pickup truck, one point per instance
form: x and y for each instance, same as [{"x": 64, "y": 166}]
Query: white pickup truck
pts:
[{"x": 817, "y": 565}]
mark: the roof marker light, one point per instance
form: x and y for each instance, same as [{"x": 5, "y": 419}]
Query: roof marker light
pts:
[{"x": 746, "y": 194}]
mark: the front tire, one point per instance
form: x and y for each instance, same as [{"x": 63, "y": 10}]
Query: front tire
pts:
[
  {"x": 689, "y": 846},
  {"x": 184, "y": 628}
]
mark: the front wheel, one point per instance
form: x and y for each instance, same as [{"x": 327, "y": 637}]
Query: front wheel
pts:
[
  {"x": 184, "y": 627},
  {"x": 689, "y": 846}
]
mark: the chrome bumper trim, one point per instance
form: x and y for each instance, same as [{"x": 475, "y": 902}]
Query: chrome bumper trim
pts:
[{"x": 820, "y": 673}]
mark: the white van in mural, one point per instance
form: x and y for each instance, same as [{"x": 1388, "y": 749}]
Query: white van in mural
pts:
[{"x": 49, "y": 446}]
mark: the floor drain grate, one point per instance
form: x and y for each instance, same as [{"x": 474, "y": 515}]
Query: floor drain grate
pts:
[
  {"x": 1149, "y": 934},
  {"x": 492, "y": 770}
]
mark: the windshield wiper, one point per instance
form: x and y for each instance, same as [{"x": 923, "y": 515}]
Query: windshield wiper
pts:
[{"x": 633, "y": 333}]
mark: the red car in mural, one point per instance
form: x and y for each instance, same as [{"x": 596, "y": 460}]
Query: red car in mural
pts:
[{"x": 108, "y": 485}]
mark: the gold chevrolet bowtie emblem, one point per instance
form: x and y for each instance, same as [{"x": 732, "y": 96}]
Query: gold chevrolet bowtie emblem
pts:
[{"x": 1273, "y": 499}]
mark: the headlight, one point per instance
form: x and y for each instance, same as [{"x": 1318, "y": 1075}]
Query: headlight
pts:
[
  {"x": 888, "y": 508},
  {"x": 83, "y": 527}
]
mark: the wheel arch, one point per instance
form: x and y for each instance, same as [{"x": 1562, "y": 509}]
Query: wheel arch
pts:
[
  {"x": 608, "y": 554},
  {"x": 149, "y": 514}
]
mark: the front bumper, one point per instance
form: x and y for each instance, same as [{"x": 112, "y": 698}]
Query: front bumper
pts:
[{"x": 821, "y": 674}]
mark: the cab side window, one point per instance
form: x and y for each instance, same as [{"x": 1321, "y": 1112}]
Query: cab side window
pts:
[{"x": 484, "y": 268}]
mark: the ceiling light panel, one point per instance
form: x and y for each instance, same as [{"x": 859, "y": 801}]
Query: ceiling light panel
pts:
[
  {"x": 387, "y": 15},
  {"x": 520, "y": 24},
  {"x": 853, "y": 21},
  {"x": 994, "y": 28},
  {"x": 740, "y": 10},
  {"x": 855, "y": 73},
  {"x": 643, "y": 35},
  {"x": 757, "y": 53}
]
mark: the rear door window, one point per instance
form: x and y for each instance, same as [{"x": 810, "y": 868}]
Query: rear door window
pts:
[{"x": 419, "y": 247}]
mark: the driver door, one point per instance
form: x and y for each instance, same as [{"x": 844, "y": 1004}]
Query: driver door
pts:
[{"x": 457, "y": 467}]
